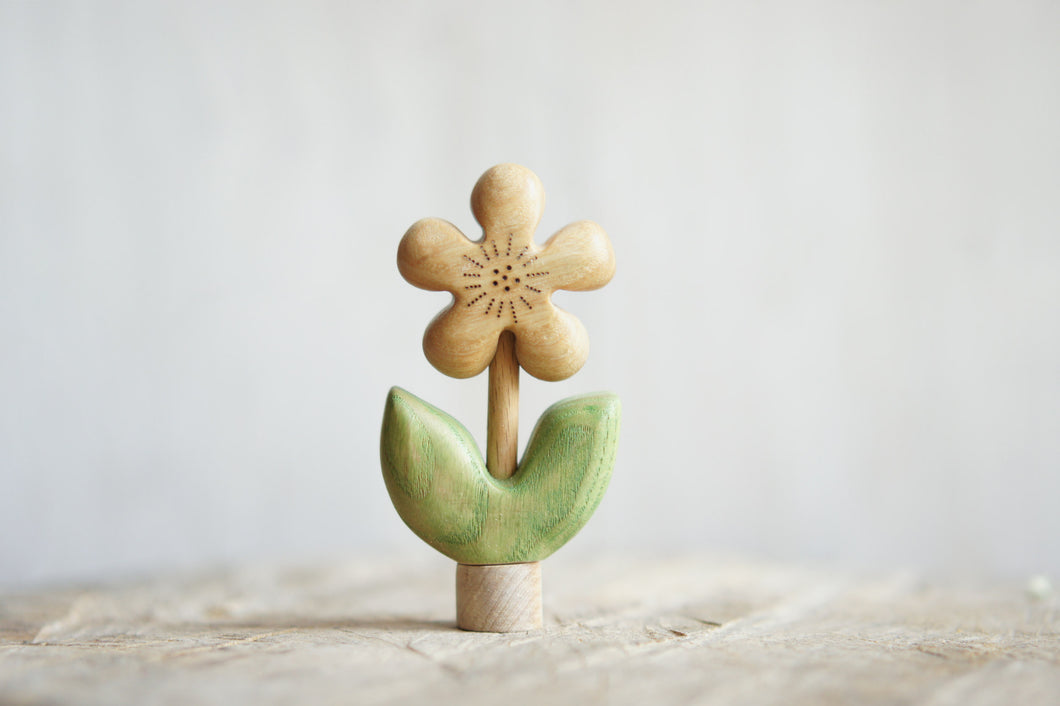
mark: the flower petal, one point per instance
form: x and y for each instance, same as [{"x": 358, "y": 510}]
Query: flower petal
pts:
[
  {"x": 579, "y": 257},
  {"x": 430, "y": 255},
  {"x": 507, "y": 201},
  {"x": 551, "y": 346},
  {"x": 460, "y": 341}
]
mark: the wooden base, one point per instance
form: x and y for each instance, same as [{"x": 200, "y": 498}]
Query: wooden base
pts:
[{"x": 498, "y": 597}]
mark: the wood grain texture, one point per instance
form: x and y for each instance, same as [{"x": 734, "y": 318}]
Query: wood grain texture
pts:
[
  {"x": 618, "y": 629},
  {"x": 441, "y": 489},
  {"x": 502, "y": 422},
  {"x": 498, "y": 597},
  {"x": 504, "y": 281}
]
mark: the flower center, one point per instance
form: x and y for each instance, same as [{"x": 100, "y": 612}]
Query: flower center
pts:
[
  {"x": 501, "y": 282},
  {"x": 506, "y": 278}
]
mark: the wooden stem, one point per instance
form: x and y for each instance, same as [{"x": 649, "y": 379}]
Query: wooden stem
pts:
[
  {"x": 500, "y": 597},
  {"x": 502, "y": 425}
]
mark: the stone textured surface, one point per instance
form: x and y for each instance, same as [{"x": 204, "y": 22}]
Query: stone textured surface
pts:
[{"x": 618, "y": 630}]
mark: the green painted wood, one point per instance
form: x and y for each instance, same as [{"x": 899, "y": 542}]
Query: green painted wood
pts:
[{"x": 441, "y": 489}]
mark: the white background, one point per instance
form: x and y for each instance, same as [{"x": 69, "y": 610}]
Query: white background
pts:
[{"x": 835, "y": 324}]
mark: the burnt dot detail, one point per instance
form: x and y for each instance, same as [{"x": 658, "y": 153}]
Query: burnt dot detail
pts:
[
  {"x": 494, "y": 283},
  {"x": 533, "y": 289},
  {"x": 496, "y": 252},
  {"x": 508, "y": 252},
  {"x": 471, "y": 274},
  {"x": 500, "y": 309},
  {"x": 490, "y": 306},
  {"x": 473, "y": 286},
  {"x": 509, "y": 267},
  {"x": 476, "y": 299},
  {"x": 505, "y": 278},
  {"x": 538, "y": 274},
  {"x": 515, "y": 317},
  {"x": 517, "y": 280},
  {"x": 483, "y": 249},
  {"x": 522, "y": 252},
  {"x": 496, "y": 272},
  {"x": 507, "y": 289},
  {"x": 474, "y": 262},
  {"x": 530, "y": 261},
  {"x": 528, "y": 304}
]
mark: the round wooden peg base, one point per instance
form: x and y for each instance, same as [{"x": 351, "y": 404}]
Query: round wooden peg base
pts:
[{"x": 498, "y": 597}]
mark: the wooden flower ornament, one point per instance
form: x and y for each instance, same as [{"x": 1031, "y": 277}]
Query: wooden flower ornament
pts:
[
  {"x": 505, "y": 282},
  {"x": 497, "y": 518}
]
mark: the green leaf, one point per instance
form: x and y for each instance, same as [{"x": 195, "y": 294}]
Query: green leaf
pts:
[{"x": 442, "y": 490}]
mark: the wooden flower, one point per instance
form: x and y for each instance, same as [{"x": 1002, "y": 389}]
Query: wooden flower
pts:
[{"x": 504, "y": 282}]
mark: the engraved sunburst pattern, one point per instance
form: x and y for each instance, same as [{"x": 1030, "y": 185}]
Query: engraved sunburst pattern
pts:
[{"x": 501, "y": 284}]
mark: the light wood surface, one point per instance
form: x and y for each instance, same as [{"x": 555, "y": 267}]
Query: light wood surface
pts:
[
  {"x": 498, "y": 597},
  {"x": 617, "y": 630},
  {"x": 440, "y": 486},
  {"x": 504, "y": 281},
  {"x": 502, "y": 422}
]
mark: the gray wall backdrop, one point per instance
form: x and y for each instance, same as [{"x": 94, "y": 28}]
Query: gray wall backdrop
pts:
[{"x": 835, "y": 323}]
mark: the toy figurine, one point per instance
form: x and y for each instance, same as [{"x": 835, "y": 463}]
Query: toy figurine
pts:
[{"x": 497, "y": 519}]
